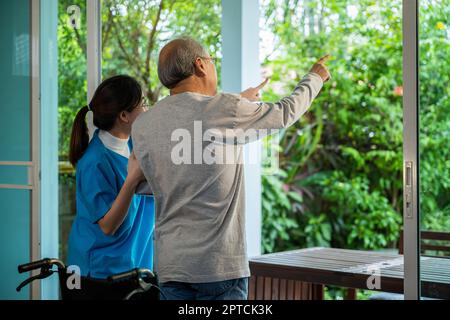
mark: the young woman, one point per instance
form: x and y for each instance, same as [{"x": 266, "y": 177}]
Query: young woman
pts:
[{"x": 113, "y": 228}]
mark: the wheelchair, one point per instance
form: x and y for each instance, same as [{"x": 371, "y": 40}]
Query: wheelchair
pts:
[{"x": 135, "y": 284}]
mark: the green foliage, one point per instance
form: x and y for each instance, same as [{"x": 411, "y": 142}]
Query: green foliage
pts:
[
  {"x": 134, "y": 32},
  {"x": 435, "y": 115},
  {"x": 344, "y": 157},
  {"x": 72, "y": 71},
  {"x": 365, "y": 217},
  {"x": 277, "y": 205}
]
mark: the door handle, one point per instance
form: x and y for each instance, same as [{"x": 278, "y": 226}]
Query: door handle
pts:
[{"x": 408, "y": 189}]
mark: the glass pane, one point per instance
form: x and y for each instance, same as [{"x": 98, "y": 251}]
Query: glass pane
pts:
[
  {"x": 72, "y": 79},
  {"x": 15, "y": 241},
  {"x": 15, "y": 138},
  {"x": 340, "y": 178},
  {"x": 434, "y": 135},
  {"x": 14, "y": 175},
  {"x": 135, "y": 31},
  {"x": 14, "y": 74}
]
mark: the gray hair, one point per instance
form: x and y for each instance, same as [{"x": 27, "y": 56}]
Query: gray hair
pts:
[{"x": 178, "y": 63}]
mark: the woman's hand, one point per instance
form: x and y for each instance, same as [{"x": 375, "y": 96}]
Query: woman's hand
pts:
[
  {"x": 114, "y": 218},
  {"x": 252, "y": 94},
  {"x": 135, "y": 174}
]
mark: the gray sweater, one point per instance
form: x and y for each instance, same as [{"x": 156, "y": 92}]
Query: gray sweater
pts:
[{"x": 200, "y": 204}]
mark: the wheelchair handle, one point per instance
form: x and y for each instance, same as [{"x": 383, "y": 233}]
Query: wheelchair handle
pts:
[
  {"x": 44, "y": 263},
  {"x": 134, "y": 274}
]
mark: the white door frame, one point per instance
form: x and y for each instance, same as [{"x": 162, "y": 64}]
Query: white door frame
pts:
[
  {"x": 35, "y": 236},
  {"x": 411, "y": 219},
  {"x": 94, "y": 53}
]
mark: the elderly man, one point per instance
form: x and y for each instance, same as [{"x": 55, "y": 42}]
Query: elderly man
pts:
[{"x": 200, "y": 245}]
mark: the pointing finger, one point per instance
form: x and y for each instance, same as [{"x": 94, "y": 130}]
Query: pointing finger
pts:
[
  {"x": 324, "y": 59},
  {"x": 263, "y": 84}
]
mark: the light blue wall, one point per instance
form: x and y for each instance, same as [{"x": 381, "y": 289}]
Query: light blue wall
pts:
[
  {"x": 241, "y": 70},
  {"x": 49, "y": 139},
  {"x": 14, "y": 143}
]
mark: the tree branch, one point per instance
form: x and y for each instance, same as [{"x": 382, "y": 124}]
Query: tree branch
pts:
[
  {"x": 153, "y": 96},
  {"x": 151, "y": 39},
  {"x": 108, "y": 26},
  {"x": 132, "y": 62},
  {"x": 80, "y": 43}
]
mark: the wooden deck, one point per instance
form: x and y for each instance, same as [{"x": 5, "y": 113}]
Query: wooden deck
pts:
[{"x": 301, "y": 274}]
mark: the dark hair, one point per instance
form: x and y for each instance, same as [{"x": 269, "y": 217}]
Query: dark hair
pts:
[{"x": 113, "y": 95}]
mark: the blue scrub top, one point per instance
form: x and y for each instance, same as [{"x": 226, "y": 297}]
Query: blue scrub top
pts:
[{"x": 100, "y": 174}]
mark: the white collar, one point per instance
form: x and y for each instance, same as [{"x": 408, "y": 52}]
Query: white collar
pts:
[{"x": 115, "y": 144}]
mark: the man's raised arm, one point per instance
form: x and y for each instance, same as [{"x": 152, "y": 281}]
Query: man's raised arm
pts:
[{"x": 287, "y": 111}]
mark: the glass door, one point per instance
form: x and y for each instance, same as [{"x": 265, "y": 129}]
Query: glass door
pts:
[
  {"x": 18, "y": 160},
  {"x": 433, "y": 145},
  {"x": 339, "y": 184},
  {"x": 426, "y": 153}
]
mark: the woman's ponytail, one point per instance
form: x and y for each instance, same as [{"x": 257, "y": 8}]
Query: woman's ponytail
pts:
[
  {"x": 79, "y": 140},
  {"x": 113, "y": 96}
]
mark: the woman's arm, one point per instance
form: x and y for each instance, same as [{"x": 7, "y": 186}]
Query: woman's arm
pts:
[{"x": 114, "y": 218}]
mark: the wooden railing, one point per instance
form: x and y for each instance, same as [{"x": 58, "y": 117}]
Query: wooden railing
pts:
[
  {"x": 65, "y": 167},
  {"x": 268, "y": 288},
  {"x": 425, "y": 237}
]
